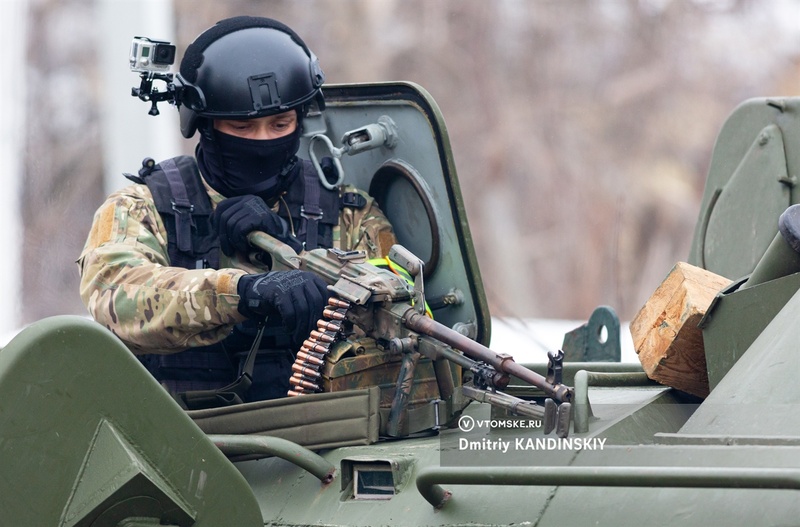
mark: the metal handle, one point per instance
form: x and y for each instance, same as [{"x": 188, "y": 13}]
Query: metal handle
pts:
[
  {"x": 382, "y": 133},
  {"x": 264, "y": 446},
  {"x": 429, "y": 479},
  {"x": 336, "y": 153}
]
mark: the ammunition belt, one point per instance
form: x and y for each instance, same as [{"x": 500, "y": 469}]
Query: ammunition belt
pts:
[{"x": 306, "y": 374}]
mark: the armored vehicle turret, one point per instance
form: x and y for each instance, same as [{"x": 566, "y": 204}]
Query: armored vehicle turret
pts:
[{"x": 407, "y": 417}]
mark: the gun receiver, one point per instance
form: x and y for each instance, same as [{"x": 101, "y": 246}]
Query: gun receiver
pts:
[{"x": 361, "y": 283}]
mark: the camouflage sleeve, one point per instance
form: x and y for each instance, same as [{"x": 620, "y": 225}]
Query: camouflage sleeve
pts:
[
  {"x": 365, "y": 229},
  {"x": 128, "y": 286}
]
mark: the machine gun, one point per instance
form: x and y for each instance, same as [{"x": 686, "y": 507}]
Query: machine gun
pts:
[{"x": 380, "y": 304}]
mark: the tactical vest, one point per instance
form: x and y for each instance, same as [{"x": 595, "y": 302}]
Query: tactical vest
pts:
[
  {"x": 312, "y": 209},
  {"x": 185, "y": 209}
]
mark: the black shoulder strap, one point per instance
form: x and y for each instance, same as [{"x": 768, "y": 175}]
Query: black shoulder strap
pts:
[
  {"x": 184, "y": 206},
  {"x": 313, "y": 209},
  {"x": 311, "y": 212},
  {"x": 181, "y": 205}
]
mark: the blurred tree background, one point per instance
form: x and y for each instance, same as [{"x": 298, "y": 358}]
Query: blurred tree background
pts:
[{"x": 581, "y": 129}]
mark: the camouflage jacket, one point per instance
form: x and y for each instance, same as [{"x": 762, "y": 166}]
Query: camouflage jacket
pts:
[{"x": 127, "y": 283}]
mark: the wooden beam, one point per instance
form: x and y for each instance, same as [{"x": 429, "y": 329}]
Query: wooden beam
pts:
[{"x": 665, "y": 333}]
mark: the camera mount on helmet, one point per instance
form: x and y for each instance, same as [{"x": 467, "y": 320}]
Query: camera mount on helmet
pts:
[
  {"x": 150, "y": 58},
  {"x": 148, "y": 93}
]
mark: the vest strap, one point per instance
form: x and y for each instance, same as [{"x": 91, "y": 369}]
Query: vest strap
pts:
[
  {"x": 183, "y": 203},
  {"x": 311, "y": 211},
  {"x": 180, "y": 204}
]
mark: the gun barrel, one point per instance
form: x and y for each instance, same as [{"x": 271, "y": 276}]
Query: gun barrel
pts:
[{"x": 500, "y": 362}]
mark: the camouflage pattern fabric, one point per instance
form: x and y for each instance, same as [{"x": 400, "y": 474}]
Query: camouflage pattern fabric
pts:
[
  {"x": 127, "y": 283},
  {"x": 364, "y": 229}
]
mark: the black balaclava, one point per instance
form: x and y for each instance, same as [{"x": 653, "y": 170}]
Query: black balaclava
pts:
[{"x": 235, "y": 166}]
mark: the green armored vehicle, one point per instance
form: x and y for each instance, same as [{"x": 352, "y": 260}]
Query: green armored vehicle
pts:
[{"x": 412, "y": 420}]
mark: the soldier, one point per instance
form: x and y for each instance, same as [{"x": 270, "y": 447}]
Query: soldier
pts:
[{"x": 159, "y": 268}]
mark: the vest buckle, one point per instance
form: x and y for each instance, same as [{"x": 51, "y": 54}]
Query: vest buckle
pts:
[
  {"x": 181, "y": 208},
  {"x": 310, "y": 215},
  {"x": 354, "y": 200}
]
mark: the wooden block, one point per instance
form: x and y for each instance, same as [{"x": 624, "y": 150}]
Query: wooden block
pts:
[{"x": 665, "y": 333}]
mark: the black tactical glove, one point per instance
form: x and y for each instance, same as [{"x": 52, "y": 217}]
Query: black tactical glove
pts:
[
  {"x": 235, "y": 218},
  {"x": 297, "y": 296}
]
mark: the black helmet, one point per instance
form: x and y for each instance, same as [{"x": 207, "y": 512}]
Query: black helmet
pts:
[{"x": 246, "y": 67}]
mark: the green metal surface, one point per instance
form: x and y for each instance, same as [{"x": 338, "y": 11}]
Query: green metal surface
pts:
[
  {"x": 571, "y": 369},
  {"x": 664, "y": 484},
  {"x": 754, "y": 168},
  {"x": 735, "y": 242},
  {"x": 759, "y": 395},
  {"x": 665, "y": 505},
  {"x": 732, "y": 459},
  {"x": 737, "y": 318},
  {"x": 429, "y": 481},
  {"x": 583, "y": 379},
  {"x": 266, "y": 446},
  {"x": 779, "y": 260},
  {"x": 87, "y": 436},
  {"x": 596, "y": 341}
]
